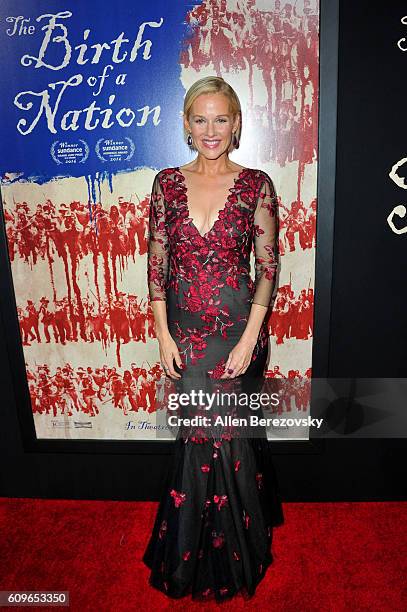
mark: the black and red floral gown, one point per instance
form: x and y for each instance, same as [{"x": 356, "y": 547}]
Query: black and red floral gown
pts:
[{"x": 213, "y": 530}]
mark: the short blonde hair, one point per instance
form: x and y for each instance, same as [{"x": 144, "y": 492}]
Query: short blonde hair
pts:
[{"x": 213, "y": 84}]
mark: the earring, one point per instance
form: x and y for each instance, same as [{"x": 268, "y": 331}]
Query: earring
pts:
[
  {"x": 189, "y": 139},
  {"x": 235, "y": 141}
]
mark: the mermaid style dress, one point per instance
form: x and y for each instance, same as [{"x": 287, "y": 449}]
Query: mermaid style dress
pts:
[{"x": 213, "y": 529}]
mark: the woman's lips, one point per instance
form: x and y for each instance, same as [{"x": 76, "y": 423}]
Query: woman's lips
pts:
[{"x": 211, "y": 144}]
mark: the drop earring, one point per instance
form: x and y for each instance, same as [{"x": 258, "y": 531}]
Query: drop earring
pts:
[
  {"x": 235, "y": 141},
  {"x": 189, "y": 139}
]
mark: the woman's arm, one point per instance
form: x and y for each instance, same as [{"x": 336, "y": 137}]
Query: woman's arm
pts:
[
  {"x": 266, "y": 257},
  {"x": 266, "y": 262},
  {"x": 158, "y": 245},
  {"x": 158, "y": 256}
]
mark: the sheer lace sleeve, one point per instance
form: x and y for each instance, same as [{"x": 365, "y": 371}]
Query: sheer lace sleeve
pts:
[
  {"x": 158, "y": 245},
  {"x": 265, "y": 242}
]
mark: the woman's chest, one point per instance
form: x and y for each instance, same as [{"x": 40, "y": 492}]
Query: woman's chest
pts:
[{"x": 231, "y": 226}]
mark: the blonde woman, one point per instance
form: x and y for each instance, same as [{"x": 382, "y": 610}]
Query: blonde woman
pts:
[{"x": 213, "y": 530}]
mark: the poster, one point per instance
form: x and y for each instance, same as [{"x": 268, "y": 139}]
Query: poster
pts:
[{"x": 91, "y": 101}]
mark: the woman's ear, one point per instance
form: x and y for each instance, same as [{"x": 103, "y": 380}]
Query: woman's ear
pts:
[
  {"x": 236, "y": 122},
  {"x": 186, "y": 125}
]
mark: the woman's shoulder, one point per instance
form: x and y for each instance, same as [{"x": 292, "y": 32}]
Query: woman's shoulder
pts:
[
  {"x": 261, "y": 174},
  {"x": 166, "y": 171},
  {"x": 265, "y": 180},
  {"x": 164, "y": 177}
]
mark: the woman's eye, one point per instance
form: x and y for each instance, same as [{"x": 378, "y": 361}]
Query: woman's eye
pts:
[{"x": 220, "y": 120}]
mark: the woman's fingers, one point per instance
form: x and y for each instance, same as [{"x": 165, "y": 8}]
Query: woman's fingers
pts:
[
  {"x": 229, "y": 359},
  {"x": 237, "y": 372},
  {"x": 169, "y": 352},
  {"x": 230, "y": 368},
  {"x": 236, "y": 366},
  {"x": 239, "y": 369},
  {"x": 178, "y": 360},
  {"x": 169, "y": 367}
]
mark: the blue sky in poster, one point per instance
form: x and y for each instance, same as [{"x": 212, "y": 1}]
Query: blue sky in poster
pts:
[{"x": 42, "y": 101}]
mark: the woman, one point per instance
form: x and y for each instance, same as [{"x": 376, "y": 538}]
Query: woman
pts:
[{"x": 213, "y": 530}]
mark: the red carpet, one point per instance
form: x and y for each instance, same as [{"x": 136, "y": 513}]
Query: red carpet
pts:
[{"x": 328, "y": 556}]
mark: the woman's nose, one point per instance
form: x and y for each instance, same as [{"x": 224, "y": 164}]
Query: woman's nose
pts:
[{"x": 210, "y": 129}]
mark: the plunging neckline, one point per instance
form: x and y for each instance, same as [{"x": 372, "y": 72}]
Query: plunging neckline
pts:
[{"x": 231, "y": 191}]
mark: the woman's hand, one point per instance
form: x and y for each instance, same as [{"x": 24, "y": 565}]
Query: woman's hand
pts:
[
  {"x": 169, "y": 352},
  {"x": 239, "y": 358}
]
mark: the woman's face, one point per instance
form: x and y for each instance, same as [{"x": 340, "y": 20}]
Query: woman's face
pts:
[{"x": 211, "y": 124}]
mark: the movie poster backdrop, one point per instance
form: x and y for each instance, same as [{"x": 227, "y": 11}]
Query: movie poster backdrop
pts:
[{"x": 91, "y": 109}]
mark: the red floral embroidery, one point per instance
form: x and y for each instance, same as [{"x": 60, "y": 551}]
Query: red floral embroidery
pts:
[
  {"x": 186, "y": 556},
  {"x": 179, "y": 498},
  {"x": 226, "y": 436},
  {"x": 199, "y": 439},
  {"x": 236, "y": 556},
  {"x": 237, "y": 465},
  {"x": 205, "y": 468},
  {"x": 220, "y": 500},
  {"x": 218, "y": 370},
  {"x": 191, "y": 271},
  {"x": 218, "y": 539}
]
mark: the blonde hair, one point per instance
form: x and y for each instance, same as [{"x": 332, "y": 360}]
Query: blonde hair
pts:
[{"x": 213, "y": 84}]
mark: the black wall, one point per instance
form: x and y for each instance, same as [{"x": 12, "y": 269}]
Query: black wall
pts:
[
  {"x": 360, "y": 327},
  {"x": 369, "y": 325}
]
